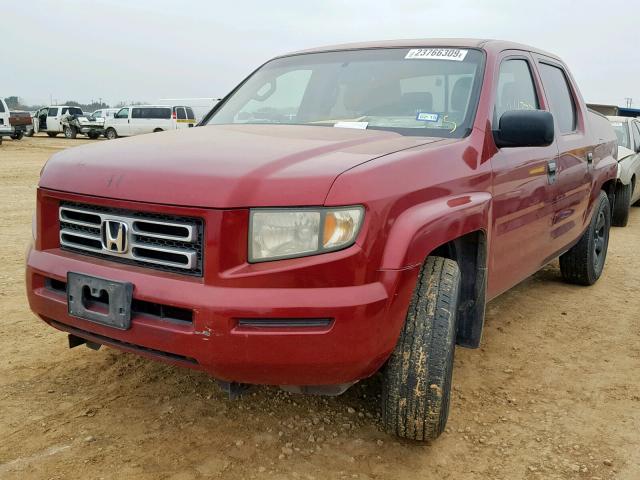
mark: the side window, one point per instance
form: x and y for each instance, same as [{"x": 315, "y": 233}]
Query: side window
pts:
[
  {"x": 2, "y": 107},
  {"x": 636, "y": 135},
  {"x": 123, "y": 113},
  {"x": 560, "y": 98},
  {"x": 190, "y": 114},
  {"x": 182, "y": 115},
  {"x": 97, "y": 114},
  {"x": 64, "y": 110},
  {"x": 516, "y": 90},
  {"x": 136, "y": 113},
  {"x": 53, "y": 112}
]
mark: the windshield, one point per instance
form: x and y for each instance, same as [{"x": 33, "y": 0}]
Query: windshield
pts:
[
  {"x": 420, "y": 91},
  {"x": 622, "y": 132}
]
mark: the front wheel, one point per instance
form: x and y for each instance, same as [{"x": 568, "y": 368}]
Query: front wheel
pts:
[
  {"x": 70, "y": 132},
  {"x": 111, "y": 134},
  {"x": 417, "y": 378},
  {"x": 583, "y": 264}
]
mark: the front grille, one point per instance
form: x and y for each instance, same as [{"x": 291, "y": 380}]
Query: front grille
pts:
[{"x": 163, "y": 242}]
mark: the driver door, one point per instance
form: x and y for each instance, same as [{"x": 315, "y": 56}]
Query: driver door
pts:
[
  {"x": 53, "y": 119},
  {"x": 121, "y": 122}
]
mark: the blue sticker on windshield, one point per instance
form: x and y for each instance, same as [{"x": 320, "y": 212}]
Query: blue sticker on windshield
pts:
[{"x": 427, "y": 117}]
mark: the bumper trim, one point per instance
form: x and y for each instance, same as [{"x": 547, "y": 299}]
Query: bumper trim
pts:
[{"x": 119, "y": 344}]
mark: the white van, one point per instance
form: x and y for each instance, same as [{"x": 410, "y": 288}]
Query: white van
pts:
[
  {"x": 201, "y": 106},
  {"x": 139, "y": 119}
]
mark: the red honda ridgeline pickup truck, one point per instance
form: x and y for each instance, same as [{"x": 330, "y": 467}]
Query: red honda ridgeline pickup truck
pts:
[{"x": 343, "y": 210}]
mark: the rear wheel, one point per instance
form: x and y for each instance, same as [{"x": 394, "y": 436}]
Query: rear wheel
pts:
[
  {"x": 111, "y": 134},
  {"x": 621, "y": 206},
  {"x": 29, "y": 133},
  {"x": 583, "y": 264},
  {"x": 17, "y": 136},
  {"x": 52, "y": 134},
  {"x": 158, "y": 130},
  {"x": 417, "y": 377}
]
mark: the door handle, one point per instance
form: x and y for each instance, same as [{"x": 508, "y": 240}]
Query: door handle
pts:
[
  {"x": 589, "y": 158},
  {"x": 552, "y": 170}
]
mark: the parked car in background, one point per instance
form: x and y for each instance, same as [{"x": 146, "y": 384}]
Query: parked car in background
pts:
[
  {"x": 140, "y": 119},
  {"x": 20, "y": 123},
  {"x": 5, "y": 125},
  {"x": 68, "y": 120},
  {"x": 105, "y": 113},
  {"x": 627, "y": 190},
  {"x": 344, "y": 210}
]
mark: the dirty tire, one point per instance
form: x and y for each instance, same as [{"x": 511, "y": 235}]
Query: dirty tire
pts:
[
  {"x": 93, "y": 135},
  {"x": 583, "y": 264},
  {"x": 621, "y": 206},
  {"x": 417, "y": 377},
  {"x": 30, "y": 133},
  {"x": 17, "y": 136},
  {"x": 51, "y": 134},
  {"x": 111, "y": 134},
  {"x": 70, "y": 132}
]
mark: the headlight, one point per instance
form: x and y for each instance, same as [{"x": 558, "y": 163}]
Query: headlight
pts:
[{"x": 287, "y": 233}]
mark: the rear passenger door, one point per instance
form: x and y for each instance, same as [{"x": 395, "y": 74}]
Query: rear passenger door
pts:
[
  {"x": 635, "y": 167},
  {"x": 572, "y": 188},
  {"x": 53, "y": 119},
  {"x": 521, "y": 187}
]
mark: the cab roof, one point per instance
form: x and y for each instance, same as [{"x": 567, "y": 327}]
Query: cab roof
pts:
[{"x": 484, "y": 44}]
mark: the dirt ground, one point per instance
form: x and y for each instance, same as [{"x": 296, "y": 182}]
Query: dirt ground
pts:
[{"x": 553, "y": 393}]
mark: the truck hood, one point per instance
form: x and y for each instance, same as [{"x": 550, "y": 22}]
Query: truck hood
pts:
[{"x": 221, "y": 166}]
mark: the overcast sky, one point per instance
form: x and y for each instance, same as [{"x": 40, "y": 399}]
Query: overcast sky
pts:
[{"x": 122, "y": 50}]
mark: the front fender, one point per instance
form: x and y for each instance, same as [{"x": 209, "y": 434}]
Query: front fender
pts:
[{"x": 422, "y": 228}]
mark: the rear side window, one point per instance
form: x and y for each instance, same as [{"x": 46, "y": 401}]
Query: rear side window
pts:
[
  {"x": 149, "y": 112},
  {"x": 516, "y": 90},
  {"x": 190, "y": 114},
  {"x": 182, "y": 115},
  {"x": 636, "y": 134},
  {"x": 52, "y": 112},
  {"x": 561, "y": 101},
  {"x": 64, "y": 110},
  {"x": 2, "y": 107}
]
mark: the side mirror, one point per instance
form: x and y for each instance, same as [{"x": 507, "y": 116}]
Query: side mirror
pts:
[{"x": 525, "y": 128}]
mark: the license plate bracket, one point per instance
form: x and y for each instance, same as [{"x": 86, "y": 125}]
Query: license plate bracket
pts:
[{"x": 99, "y": 300}]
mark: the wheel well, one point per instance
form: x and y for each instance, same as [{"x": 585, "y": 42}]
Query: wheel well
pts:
[
  {"x": 470, "y": 252},
  {"x": 158, "y": 130}
]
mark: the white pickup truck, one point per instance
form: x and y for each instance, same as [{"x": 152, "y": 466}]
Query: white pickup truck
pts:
[
  {"x": 5, "y": 126},
  {"x": 71, "y": 121}
]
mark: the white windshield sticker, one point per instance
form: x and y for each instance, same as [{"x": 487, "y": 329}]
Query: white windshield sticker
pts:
[
  {"x": 358, "y": 125},
  {"x": 455, "y": 54},
  {"x": 616, "y": 124},
  {"x": 427, "y": 117}
]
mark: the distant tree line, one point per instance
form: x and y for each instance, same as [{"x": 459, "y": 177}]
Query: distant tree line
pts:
[{"x": 16, "y": 103}]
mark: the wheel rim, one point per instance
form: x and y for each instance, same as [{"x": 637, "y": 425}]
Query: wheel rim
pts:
[
  {"x": 600, "y": 239},
  {"x": 67, "y": 132}
]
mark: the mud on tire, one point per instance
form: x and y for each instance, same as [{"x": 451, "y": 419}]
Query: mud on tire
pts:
[
  {"x": 417, "y": 377},
  {"x": 583, "y": 264}
]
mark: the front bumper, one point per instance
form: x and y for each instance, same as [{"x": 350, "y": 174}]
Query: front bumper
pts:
[{"x": 364, "y": 327}]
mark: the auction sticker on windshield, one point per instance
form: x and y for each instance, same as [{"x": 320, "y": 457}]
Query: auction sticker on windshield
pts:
[{"x": 455, "y": 54}]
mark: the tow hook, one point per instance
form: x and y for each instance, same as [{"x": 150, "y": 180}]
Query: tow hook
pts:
[
  {"x": 233, "y": 389},
  {"x": 75, "y": 341}
]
